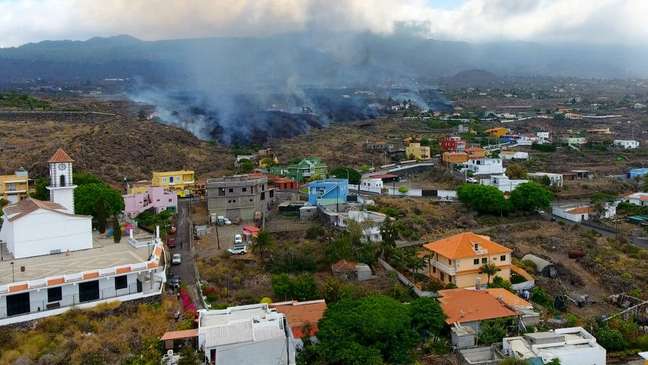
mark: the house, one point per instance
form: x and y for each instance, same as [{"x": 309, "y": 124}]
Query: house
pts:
[
  {"x": 369, "y": 221},
  {"x": 497, "y": 132},
  {"x": 627, "y": 144},
  {"x": 239, "y": 196},
  {"x": 640, "y": 199},
  {"x": 380, "y": 146},
  {"x": 458, "y": 259},
  {"x": 469, "y": 308},
  {"x": 572, "y": 346},
  {"x": 555, "y": 180},
  {"x": 575, "y": 141},
  {"x": 485, "y": 166},
  {"x": 302, "y": 316},
  {"x": 637, "y": 172},
  {"x": 57, "y": 263},
  {"x": 503, "y": 183},
  {"x": 514, "y": 155},
  {"x": 603, "y": 131},
  {"x": 350, "y": 270},
  {"x": 155, "y": 198},
  {"x": 283, "y": 183},
  {"x": 452, "y": 144},
  {"x": 181, "y": 182},
  {"x": 573, "y": 213},
  {"x": 14, "y": 187},
  {"x": 328, "y": 192},
  {"x": 371, "y": 184},
  {"x": 414, "y": 151},
  {"x": 578, "y": 175},
  {"x": 245, "y": 335},
  {"x": 475, "y": 152},
  {"x": 454, "y": 157},
  {"x": 543, "y": 137},
  {"x": 306, "y": 169}
]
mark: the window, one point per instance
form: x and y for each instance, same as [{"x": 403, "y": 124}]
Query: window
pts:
[
  {"x": 476, "y": 247},
  {"x": 476, "y": 261},
  {"x": 170, "y": 179},
  {"x": 434, "y": 269},
  {"x": 263, "y": 195},
  {"x": 231, "y": 190},
  {"x": 442, "y": 277},
  {"x": 62, "y": 180},
  {"x": 244, "y": 190},
  {"x": 503, "y": 258},
  {"x": 484, "y": 260},
  {"x": 449, "y": 262},
  {"x": 54, "y": 294},
  {"x": 221, "y": 191},
  {"x": 121, "y": 282}
]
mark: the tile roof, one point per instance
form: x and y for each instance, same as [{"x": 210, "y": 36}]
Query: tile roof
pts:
[
  {"x": 300, "y": 314},
  {"x": 463, "y": 305},
  {"x": 343, "y": 266},
  {"x": 178, "y": 335},
  {"x": 26, "y": 206},
  {"x": 580, "y": 210},
  {"x": 509, "y": 298},
  {"x": 60, "y": 156},
  {"x": 462, "y": 246}
]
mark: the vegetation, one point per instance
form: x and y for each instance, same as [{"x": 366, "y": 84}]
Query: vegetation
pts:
[
  {"x": 245, "y": 166},
  {"x": 22, "y": 101},
  {"x": 96, "y": 198},
  {"x": 300, "y": 287},
  {"x": 482, "y": 198},
  {"x": 489, "y": 269},
  {"x": 492, "y": 331},
  {"x": 516, "y": 171},
  {"x": 544, "y": 147},
  {"x": 531, "y": 196},
  {"x": 117, "y": 231},
  {"x": 347, "y": 173},
  {"x": 149, "y": 220}
]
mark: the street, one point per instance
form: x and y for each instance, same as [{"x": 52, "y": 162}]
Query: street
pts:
[{"x": 186, "y": 270}]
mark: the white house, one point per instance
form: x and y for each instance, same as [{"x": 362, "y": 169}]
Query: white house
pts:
[
  {"x": 555, "y": 180},
  {"x": 57, "y": 263},
  {"x": 526, "y": 140},
  {"x": 502, "y": 182},
  {"x": 371, "y": 184},
  {"x": 627, "y": 144},
  {"x": 640, "y": 199},
  {"x": 485, "y": 166},
  {"x": 247, "y": 334},
  {"x": 514, "y": 155},
  {"x": 574, "y": 141},
  {"x": 369, "y": 221},
  {"x": 572, "y": 346},
  {"x": 572, "y": 213},
  {"x": 33, "y": 227},
  {"x": 543, "y": 137}
]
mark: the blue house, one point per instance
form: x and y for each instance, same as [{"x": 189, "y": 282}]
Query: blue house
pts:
[
  {"x": 639, "y": 172},
  {"x": 328, "y": 192}
]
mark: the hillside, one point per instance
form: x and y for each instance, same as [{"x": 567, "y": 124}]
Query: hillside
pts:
[{"x": 113, "y": 148}]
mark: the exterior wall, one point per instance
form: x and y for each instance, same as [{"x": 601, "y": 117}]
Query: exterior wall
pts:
[
  {"x": 327, "y": 192},
  {"x": 503, "y": 183},
  {"x": 486, "y": 166},
  {"x": 562, "y": 213},
  {"x": 72, "y": 233},
  {"x": 555, "y": 179},
  {"x": 268, "y": 352},
  {"x": 178, "y": 181},
  {"x": 464, "y": 272},
  {"x": 155, "y": 197},
  {"x": 626, "y": 144},
  {"x": 419, "y": 152},
  {"x": 63, "y": 196},
  {"x": 372, "y": 185},
  {"x": 238, "y": 197},
  {"x": 13, "y": 188}
]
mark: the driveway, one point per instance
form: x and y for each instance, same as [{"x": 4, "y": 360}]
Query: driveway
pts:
[{"x": 184, "y": 238}]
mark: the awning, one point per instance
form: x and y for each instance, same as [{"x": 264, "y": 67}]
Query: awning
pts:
[{"x": 179, "y": 335}]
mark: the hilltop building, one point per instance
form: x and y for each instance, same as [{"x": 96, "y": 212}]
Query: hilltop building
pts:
[
  {"x": 14, "y": 188},
  {"x": 503, "y": 183},
  {"x": 458, "y": 259},
  {"x": 328, "y": 192},
  {"x": 485, "y": 166}
]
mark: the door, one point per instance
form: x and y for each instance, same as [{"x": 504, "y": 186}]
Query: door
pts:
[
  {"x": 18, "y": 304},
  {"x": 89, "y": 291}
]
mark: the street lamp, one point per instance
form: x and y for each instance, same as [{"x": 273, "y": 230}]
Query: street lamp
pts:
[{"x": 13, "y": 274}]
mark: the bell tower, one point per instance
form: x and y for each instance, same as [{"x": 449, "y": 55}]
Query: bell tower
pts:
[{"x": 61, "y": 186}]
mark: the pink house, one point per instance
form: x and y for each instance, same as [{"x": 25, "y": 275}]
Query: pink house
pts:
[{"x": 155, "y": 197}]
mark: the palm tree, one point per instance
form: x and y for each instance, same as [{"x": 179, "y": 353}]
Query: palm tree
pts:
[
  {"x": 263, "y": 243},
  {"x": 489, "y": 269}
]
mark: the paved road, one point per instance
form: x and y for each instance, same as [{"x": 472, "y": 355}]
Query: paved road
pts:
[{"x": 186, "y": 269}]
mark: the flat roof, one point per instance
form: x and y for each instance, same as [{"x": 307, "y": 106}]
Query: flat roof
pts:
[{"x": 104, "y": 254}]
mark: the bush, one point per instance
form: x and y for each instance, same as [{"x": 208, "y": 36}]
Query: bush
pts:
[
  {"x": 301, "y": 287},
  {"x": 611, "y": 339},
  {"x": 428, "y": 318},
  {"x": 484, "y": 199},
  {"x": 492, "y": 331},
  {"x": 531, "y": 196}
]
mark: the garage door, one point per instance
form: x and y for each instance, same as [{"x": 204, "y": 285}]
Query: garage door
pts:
[
  {"x": 18, "y": 304},
  {"x": 89, "y": 291}
]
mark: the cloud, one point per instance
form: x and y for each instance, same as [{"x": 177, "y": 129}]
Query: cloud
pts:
[{"x": 592, "y": 21}]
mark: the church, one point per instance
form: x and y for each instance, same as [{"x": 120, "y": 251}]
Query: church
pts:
[{"x": 34, "y": 227}]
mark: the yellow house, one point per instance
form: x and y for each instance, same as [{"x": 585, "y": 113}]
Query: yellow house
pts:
[
  {"x": 182, "y": 182},
  {"x": 417, "y": 151},
  {"x": 138, "y": 187},
  {"x": 14, "y": 188},
  {"x": 458, "y": 259},
  {"x": 497, "y": 132}
]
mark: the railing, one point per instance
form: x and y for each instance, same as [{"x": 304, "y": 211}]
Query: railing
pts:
[{"x": 443, "y": 267}]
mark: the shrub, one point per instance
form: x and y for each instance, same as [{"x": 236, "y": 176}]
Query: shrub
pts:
[{"x": 611, "y": 339}]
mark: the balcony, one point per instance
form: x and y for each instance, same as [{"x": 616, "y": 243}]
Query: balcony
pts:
[{"x": 450, "y": 270}]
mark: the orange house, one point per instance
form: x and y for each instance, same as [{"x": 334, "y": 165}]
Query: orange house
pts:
[
  {"x": 458, "y": 259},
  {"x": 454, "y": 157}
]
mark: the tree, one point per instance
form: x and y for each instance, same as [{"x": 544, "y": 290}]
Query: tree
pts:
[
  {"x": 611, "y": 339},
  {"x": 347, "y": 173},
  {"x": 245, "y": 166},
  {"x": 513, "y": 361},
  {"x": 301, "y": 287},
  {"x": 84, "y": 178},
  {"x": 86, "y": 197},
  {"x": 427, "y": 316},
  {"x": 373, "y": 330},
  {"x": 40, "y": 189},
  {"x": 644, "y": 186},
  {"x": 263, "y": 244},
  {"x": 489, "y": 269},
  {"x": 499, "y": 282},
  {"x": 482, "y": 198},
  {"x": 389, "y": 236},
  {"x": 117, "y": 231},
  {"x": 188, "y": 356},
  {"x": 516, "y": 171},
  {"x": 492, "y": 331},
  {"x": 531, "y": 196},
  {"x": 100, "y": 214}
]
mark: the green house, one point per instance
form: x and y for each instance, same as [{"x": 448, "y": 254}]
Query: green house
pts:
[{"x": 306, "y": 169}]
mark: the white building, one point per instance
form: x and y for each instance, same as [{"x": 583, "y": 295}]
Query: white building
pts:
[
  {"x": 369, "y": 221},
  {"x": 245, "y": 335},
  {"x": 526, "y": 140},
  {"x": 371, "y": 184},
  {"x": 543, "y": 136},
  {"x": 628, "y": 144},
  {"x": 502, "y": 182},
  {"x": 574, "y": 213},
  {"x": 640, "y": 199},
  {"x": 575, "y": 141},
  {"x": 555, "y": 180},
  {"x": 33, "y": 227},
  {"x": 55, "y": 263},
  {"x": 514, "y": 155},
  {"x": 485, "y": 166},
  {"x": 572, "y": 346}
]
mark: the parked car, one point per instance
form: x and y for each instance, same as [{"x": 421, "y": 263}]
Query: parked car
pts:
[
  {"x": 174, "y": 282},
  {"x": 223, "y": 221},
  {"x": 471, "y": 180},
  {"x": 237, "y": 250},
  {"x": 238, "y": 239},
  {"x": 176, "y": 259},
  {"x": 171, "y": 241}
]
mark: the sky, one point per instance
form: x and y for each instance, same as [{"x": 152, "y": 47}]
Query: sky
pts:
[{"x": 545, "y": 21}]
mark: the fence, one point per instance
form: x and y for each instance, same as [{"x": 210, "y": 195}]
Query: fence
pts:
[{"x": 403, "y": 279}]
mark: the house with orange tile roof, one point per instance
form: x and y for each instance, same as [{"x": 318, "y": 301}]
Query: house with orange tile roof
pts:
[
  {"x": 302, "y": 316},
  {"x": 575, "y": 213},
  {"x": 458, "y": 259},
  {"x": 470, "y": 307}
]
